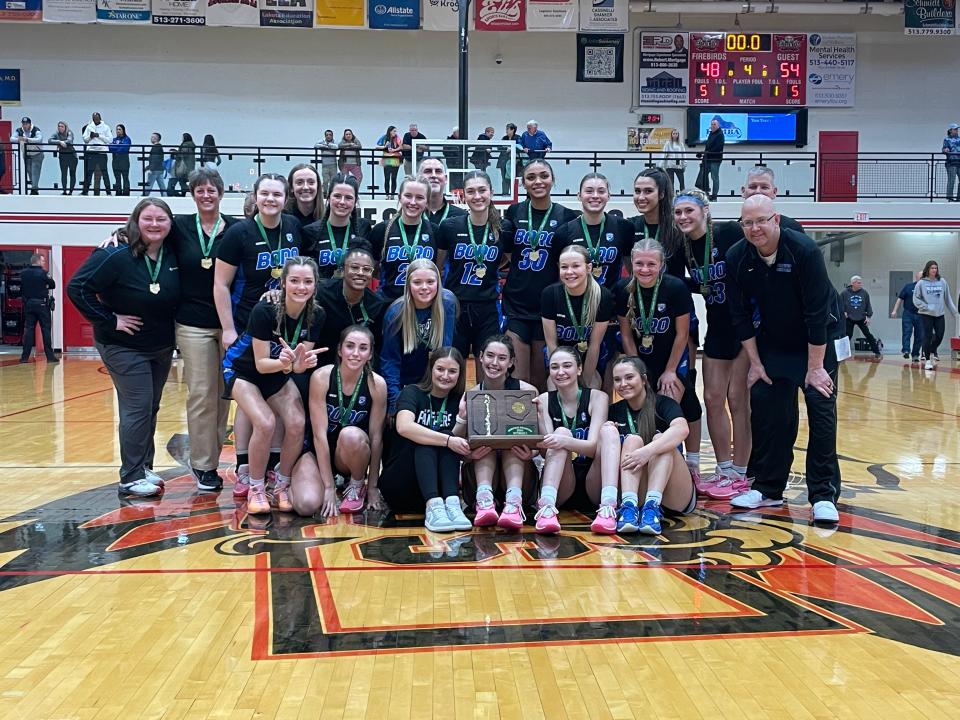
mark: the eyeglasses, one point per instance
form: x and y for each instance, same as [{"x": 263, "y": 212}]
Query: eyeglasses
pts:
[
  {"x": 361, "y": 269},
  {"x": 749, "y": 224}
]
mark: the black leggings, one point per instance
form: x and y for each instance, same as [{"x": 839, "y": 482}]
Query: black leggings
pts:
[
  {"x": 438, "y": 471},
  {"x": 933, "y": 328},
  {"x": 390, "y": 179}
]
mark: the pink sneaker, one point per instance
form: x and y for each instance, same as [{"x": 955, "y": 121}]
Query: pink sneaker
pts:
[
  {"x": 728, "y": 488},
  {"x": 546, "y": 517},
  {"x": 704, "y": 483},
  {"x": 511, "y": 518},
  {"x": 353, "y": 497},
  {"x": 486, "y": 511},
  {"x": 606, "y": 521},
  {"x": 242, "y": 486}
]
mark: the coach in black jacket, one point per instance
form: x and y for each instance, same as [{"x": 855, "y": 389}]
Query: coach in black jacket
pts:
[{"x": 790, "y": 347}]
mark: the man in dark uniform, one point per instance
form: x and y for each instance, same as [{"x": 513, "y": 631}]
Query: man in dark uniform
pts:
[
  {"x": 791, "y": 348},
  {"x": 761, "y": 181},
  {"x": 36, "y": 307}
]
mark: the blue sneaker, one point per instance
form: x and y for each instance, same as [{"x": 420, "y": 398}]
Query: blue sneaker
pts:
[
  {"x": 650, "y": 518},
  {"x": 628, "y": 518}
]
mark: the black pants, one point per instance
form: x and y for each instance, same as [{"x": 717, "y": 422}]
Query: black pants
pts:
[
  {"x": 95, "y": 169},
  {"x": 862, "y": 324},
  {"x": 775, "y": 420},
  {"x": 390, "y": 179},
  {"x": 36, "y": 311},
  {"x": 121, "y": 174},
  {"x": 68, "y": 166},
  {"x": 172, "y": 186},
  {"x": 676, "y": 176},
  {"x": 417, "y": 473},
  {"x": 933, "y": 328},
  {"x": 476, "y": 322}
]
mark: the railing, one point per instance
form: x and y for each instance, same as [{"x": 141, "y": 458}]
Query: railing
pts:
[{"x": 801, "y": 175}]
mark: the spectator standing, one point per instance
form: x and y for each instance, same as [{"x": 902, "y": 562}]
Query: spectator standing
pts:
[
  {"x": 29, "y": 137},
  {"x": 97, "y": 137},
  {"x": 673, "y": 160},
  {"x": 120, "y": 149},
  {"x": 36, "y": 285},
  {"x": 910, "y": 321},
  {"x": 857, "y": 310},
  {"x": 454, "y": 155},
  {"x": 184, "y": 161},
  {"x": 155, "y": 165},
  {"x": 480, "y": 158},
  {"x": 62, "y": 140},
  {"x": 932, "y": 298},
  {"x": 535, "y": 142},
  {"x": 389, "y": 145},
  {"x": 503, "y": 160},
  {"x": 406, "y": 147},
  {"x": 712, "y": 156},
  {"x": 350, "y": 155},
  {"x": 328, "y": 158},
  {"x": 951, "y": 148},
  {"x": 209, "y": 155}
]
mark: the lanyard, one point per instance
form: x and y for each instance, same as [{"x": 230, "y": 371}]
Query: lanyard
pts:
[
  {"x": 479, "y": 252},
  {"x": 446, "y": 211},
  {"x": 333, "y": 240},
  {"x": 563, "y": 415},
  {"x": 646, "y": 235},
  {"x": 363, "y": 311},
  {"x": 296, "y": 333},
  {"x": 580, "y": 329},
  {"x": 535, "y": 239},
  {"x": 645, "y": 319},
  {"x": 154, "y": 271},
  {"x": 263, "y": 234},
  {"x": 437, "y": 415},
  {"x": 346, "y": 411},
  {"x": 589, "y": 240},
  {"x": 205, "y": 249},
  {"x": 416, "y": 238},
  {"x": 630, "y": 423},
  {"x": 707, "y": 247}
]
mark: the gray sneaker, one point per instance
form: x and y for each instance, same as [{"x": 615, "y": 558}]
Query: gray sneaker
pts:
[
  {"x": 436, "y": 518},
  {"x": 458, "y": 520},
  {"x": 140, "y": 488},
  {"x": 825, "y": 512}
]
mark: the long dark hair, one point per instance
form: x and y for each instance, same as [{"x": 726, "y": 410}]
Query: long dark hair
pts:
[
  {"x": 926, "y": 268},
  {"x": 572, "y": 352},
  {"x": 647, "y": 424},
  {"x": 426, "y": 383},
  {"x": 493, "y": 214},
  {"x": 363, "y": 330},
  {"x": 669, "y": 235},
  {"x": 291, "y": 202},
  {"x": 132, "y": 230},
  {"x": 345, "y": 179},
  {"x": 504, "y": 340}
]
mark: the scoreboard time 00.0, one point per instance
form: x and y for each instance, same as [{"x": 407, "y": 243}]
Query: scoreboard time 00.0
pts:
[{"x": 748, "y": 69}]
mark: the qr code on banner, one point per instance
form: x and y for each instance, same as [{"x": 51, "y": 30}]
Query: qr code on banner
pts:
[{"x": 599, "y": 63}]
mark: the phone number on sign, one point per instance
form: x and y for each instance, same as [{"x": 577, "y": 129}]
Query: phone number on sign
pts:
[{"x": 178, "y": 20}]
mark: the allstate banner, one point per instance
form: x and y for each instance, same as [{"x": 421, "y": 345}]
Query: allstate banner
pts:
[
  {"x": 501, "y": 15},
  {"x": 552, "y": 14},
  {"x": 831, "y": 69},
  {"x": 70, "y": 11},
  {"x": 441, "y": 15},
  {"x": 20, "y": 10},
  {"x": 341, "y": 13},
  {"x": 604, "y": 15},
  {"x": 286, "y": 13},
  {"x": 930, "y": 17},
  {"x": 394, "y": 14},
  {"x": 127, "y": 12},
  {"x": 233, "y": 13},
  {"x": 179, "y": 12}
]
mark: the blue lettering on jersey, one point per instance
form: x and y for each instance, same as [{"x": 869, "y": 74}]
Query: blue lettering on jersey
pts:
[
  {"x": 399, "y": 252},
  {"x": 334, "y": 414},
  {"x": 526, "y": 237},
  {"x": 569, "y": 333},
  {"x": 715, "y": 272},
  {"x": 277, "y": 258},
  {"x": 330, "y": 257},
  {"x": 463, "y": 251}
]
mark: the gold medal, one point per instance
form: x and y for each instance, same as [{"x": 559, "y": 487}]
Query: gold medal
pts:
[
  {"x": 647, "y": 341},
  {"x": 276, "y": 272},
  {"x": 597, "y": 271},
  {"x": 534, "y": 255},
  {"x": 705, "y": 290},
  {"x": 481, "y": 271},
  {"x": 582, "y": 346},
  {"x": 155, "y": 288},
  {"x": 206, "y": 263}
]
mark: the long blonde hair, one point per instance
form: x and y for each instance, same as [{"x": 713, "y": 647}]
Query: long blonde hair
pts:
[
  {"x": 406, "y": 318},
  {"x": 645, "y": 245},
  {"x": 419, "y": 179},
  {"x": 591, "y": 298}
]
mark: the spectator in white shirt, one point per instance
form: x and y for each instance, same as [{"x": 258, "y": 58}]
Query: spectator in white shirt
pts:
[{"x": 97, "y": 137}]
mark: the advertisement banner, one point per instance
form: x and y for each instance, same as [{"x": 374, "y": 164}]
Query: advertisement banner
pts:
[
  {"x": 341, "y": 13},
  {"x": 599, "y": 58},
  {"x": 441, "y": 15},
  {"x": 552, "y": 14},
  {"x": 831, "y": 69},
  {"x": 233, "y": 13},
  {"x": 124, "y": 12},
  {"x": 20, "y": 10},
  {"x": 70, "y": 11},
  {"x": 9, "y": 87},
  {"x": 179, "y": 12},
  {"x": 647, "y": 139},
  {"x": 663, "y": 59},
  {"x": 501, "y": 15},
  {"x": 394, "y": 14},
  {"x": 930, "y": 17},
  {"x": 604, "y": 15},
  {"x": 286, "y": 13}
]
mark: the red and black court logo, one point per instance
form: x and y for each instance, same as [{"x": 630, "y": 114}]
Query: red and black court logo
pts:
[{"x": 712, "y": 574}]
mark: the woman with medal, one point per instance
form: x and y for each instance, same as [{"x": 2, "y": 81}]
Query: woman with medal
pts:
[
  {"x": 424, "y": 464},
  {"x": 473, "y": 245},
  {"x": 348, "y": 404},
  {"x": 405, "y": 237},
  {"x": 517, "y": 474},
  {"x": 129, "y": 293},
  {"x": 341, "y": 224},
  {"x": 305, "y": 201},
  {"x": 640, "y": 442},
  {"x": 570, "y": 420},
  {"x": 577, "y": 311},
  {"x": 528, "y": 232},
  {"x": 279, "y": 340},
  {"x": 654, "y": 315},
  {"x": 415, "y": 325},
  {"x": 725, "y": 364},
  {"x": 653, "y": 199}
]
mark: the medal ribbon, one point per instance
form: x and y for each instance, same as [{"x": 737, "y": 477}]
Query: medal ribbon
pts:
[
  {"x": 263, "y": 234},
  {"x": 646, "y": 235},
  {"x": 645, "y": 319},
  {"x": 630, "y": 423},
  {"x": 535, "y": 240},
  {"x": 589, "y": 240},
  {"x": 345, "y": 411},
  {"x": 479, "y": 252},
  {"x": 205, "y": 249},
  {"x": 296, "y": 333},
  {"x": 154, "y": 272},
  {"x": 708, "y": 246},
  {"x": 333, "y": 240},
  {"x": 416, "y": 238},
  {"x": 580, "y": 329},
  {"x": 563, "y": 415}
]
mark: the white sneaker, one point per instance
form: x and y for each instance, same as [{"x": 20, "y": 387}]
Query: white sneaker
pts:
[
  {"x": 928, "y": 365},
  {"x": 753, "y": 499},
  {"x": 825, "y": 512},
  {"x": 436, "y": 518},
  {"x": 458, "y": 521},
  {"x": 151, "y": 477},
  {"x": 140, "y": 488}
]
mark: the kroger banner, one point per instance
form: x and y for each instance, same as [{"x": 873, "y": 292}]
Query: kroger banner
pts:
[
  {"x": 394, "y": 14},
  {"x": 286, "y": 13},
  {"x": 501, "y": 15},
  {"x": 70, "y": 11},
  {"x": 441, "y": 15},
  {"x": 179, "y": 12},
  {"x": 20, "y": 10},
  {"x": 341, "y": 13},
  {"x": 552, "y": 14},
  {"x": 604, "y": 15}
]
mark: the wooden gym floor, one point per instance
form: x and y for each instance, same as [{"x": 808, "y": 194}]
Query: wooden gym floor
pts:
[{"x": 185, "y": 608}]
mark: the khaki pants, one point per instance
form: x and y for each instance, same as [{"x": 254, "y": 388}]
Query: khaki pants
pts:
[{"x": 206, "y": 410}]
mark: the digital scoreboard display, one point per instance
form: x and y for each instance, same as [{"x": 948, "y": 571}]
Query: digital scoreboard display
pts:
[{"x": 766, "y": 69}]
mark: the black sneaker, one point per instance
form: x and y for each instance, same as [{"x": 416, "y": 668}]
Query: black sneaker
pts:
[
  {"x": 208, "y": 480},
  {"x": 906, "y": 356}
]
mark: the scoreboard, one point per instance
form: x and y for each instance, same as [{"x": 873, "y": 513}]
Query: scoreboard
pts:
[{"x": 766, "y": 69}]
